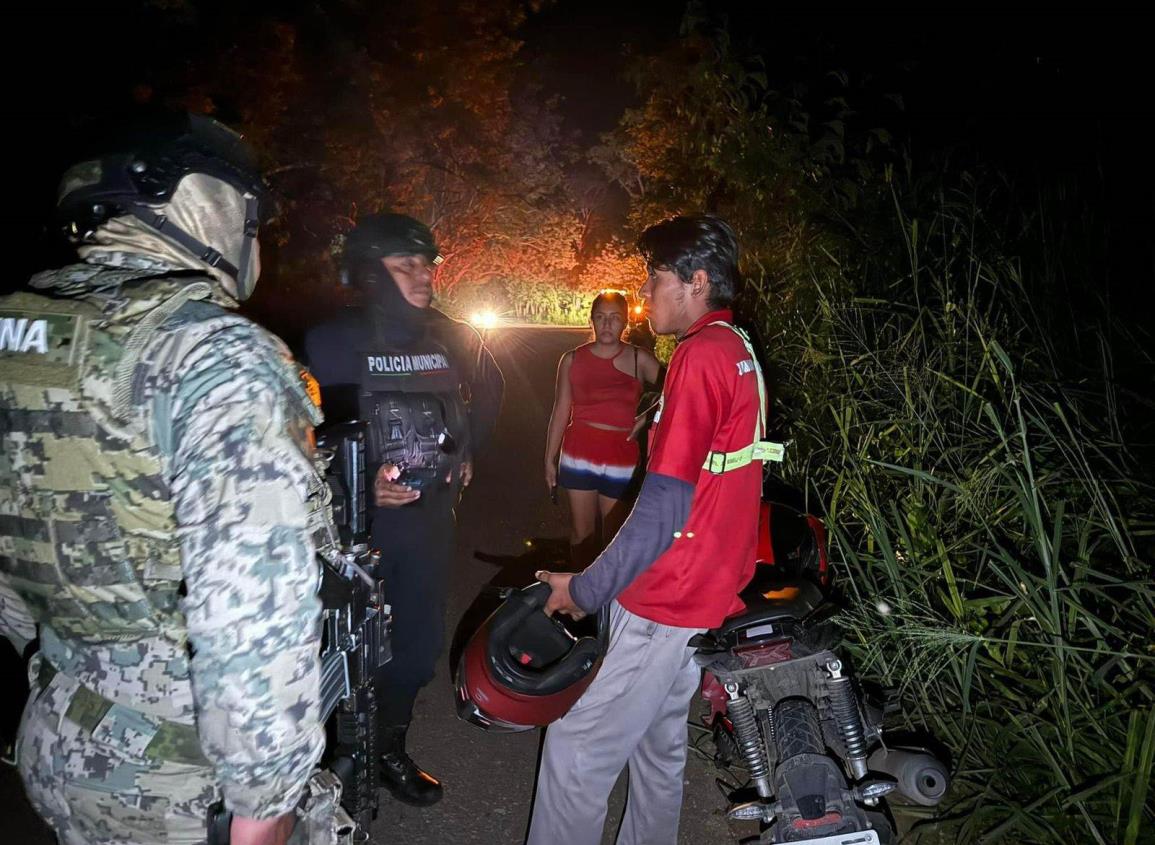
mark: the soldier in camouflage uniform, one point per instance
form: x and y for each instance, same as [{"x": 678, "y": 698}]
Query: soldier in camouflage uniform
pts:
[{"x": 158, "y": 503}]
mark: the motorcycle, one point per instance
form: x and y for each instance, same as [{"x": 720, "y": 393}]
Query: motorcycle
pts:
[{"x": 783, "y": 704}]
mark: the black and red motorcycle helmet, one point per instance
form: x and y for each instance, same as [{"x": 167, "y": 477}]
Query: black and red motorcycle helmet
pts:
[{"x": 522, "y": 669}]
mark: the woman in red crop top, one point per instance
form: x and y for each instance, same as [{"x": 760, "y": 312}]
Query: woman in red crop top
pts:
[{"x": 592, "y": 425}]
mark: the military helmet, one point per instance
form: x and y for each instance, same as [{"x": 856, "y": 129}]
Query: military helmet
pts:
[
  {"x": 139, "y": 166},
  {"x": 378, "y": 236}
]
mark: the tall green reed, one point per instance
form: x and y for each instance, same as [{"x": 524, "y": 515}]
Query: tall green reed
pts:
[{"x": 990, "y": 524}]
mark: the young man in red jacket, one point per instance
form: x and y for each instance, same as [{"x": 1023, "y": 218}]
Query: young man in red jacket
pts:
[{"x": 676, "y": 566}]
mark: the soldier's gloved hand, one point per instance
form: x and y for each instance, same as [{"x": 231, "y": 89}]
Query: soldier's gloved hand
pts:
[
  {"x": 274, "y": 831},
  {"x": 388, "y": 493}
]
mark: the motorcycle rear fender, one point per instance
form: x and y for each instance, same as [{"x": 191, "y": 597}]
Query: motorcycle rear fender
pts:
[
  {"x": 807, "y": 774},
  {"x": 803, "y": 677}
]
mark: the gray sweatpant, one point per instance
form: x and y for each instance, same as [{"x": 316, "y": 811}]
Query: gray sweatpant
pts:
[{"x": 633, "y": 713}]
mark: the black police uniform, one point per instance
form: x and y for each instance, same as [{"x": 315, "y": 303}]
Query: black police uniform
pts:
[{"x": 431, "y": 392}]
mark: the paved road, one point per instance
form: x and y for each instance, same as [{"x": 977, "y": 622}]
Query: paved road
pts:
[{"x": 489, "y": 778}]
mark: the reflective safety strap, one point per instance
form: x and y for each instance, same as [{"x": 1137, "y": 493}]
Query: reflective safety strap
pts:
[
  {"x": 759, "y": 450},
  {"x": 763, "y": 450},
  {"x": 104, "y": 719}
]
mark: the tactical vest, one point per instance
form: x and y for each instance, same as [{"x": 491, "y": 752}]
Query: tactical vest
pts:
[
  {"x": 411, "y": 397},
  {"x": 87, "y": 528}
]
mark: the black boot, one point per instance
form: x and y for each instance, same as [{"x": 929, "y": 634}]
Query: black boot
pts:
[{"x": 401, "y": 776}]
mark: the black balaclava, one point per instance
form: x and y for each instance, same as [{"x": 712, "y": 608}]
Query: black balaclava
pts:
[
  {"x": 394, "y": 320},
  {"x": 377, "y": 236}
]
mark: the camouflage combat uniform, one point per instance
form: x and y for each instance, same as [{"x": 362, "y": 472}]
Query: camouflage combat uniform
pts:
[{"x": 157, "y": 506}]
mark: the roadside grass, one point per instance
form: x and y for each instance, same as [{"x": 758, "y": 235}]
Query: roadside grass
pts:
[{"x": 991, "y": 525}]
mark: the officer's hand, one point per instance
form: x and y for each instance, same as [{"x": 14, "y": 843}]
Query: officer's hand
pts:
[
  {"x": 274, "y": 831},
  {"x": 387, "y": 493},
  {"x": 559, "y": 600},
  {"x": 466, "y": 473}
]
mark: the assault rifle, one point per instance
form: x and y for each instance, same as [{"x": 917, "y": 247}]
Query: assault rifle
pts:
[
  {"x": 355, "y": 642},
  {"x": 356, "y": 628}
]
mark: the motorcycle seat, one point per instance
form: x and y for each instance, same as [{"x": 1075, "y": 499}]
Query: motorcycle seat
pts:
[{"x": 768, "y": 601}]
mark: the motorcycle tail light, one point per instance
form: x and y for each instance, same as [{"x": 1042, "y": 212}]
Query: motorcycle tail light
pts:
[
  {"x": 830, "y": 818},
  {"x": 763, "y": 654}
]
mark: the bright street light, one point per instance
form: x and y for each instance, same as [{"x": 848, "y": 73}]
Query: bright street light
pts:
[{"x": 484, "y": 319}]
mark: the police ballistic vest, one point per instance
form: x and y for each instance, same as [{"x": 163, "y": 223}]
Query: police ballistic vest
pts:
[
  {"x": 411, "y": 396},
  {"x": 87, "y": 528}
]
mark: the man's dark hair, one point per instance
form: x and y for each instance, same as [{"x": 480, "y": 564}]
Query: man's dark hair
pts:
[{"x": 695, "y": 242}]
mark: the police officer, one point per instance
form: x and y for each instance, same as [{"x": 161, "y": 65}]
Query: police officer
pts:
[
  {"x": 431, "y": 392},
  {"x": 157, "y": 504}
]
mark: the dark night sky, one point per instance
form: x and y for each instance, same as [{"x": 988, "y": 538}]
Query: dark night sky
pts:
[
  {"x": 955, "y": 71},
  {"x": 1037, "y": 95},
  {"x": 1044, "y": 97}
]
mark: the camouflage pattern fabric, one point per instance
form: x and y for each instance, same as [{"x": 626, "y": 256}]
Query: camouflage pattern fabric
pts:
[
  {"x": 16, "y": 620},
  {"x": 150, "y": 439},
  {"x": 97, "y": 787}
]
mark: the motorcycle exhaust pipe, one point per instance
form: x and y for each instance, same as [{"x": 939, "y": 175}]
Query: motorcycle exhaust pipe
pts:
[{"x": 921, "y": 776}]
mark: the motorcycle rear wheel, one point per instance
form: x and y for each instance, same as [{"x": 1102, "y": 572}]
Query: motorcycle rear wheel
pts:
[{"x": 796, "y": 728}]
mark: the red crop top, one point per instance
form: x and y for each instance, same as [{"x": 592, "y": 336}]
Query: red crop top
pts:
[{"x": 601, "y": 392}]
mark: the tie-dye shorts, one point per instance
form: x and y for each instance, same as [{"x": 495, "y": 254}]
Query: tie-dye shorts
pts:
[{"x": 597, "y": 459}]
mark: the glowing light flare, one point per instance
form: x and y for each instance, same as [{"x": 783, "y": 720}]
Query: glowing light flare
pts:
[{"x": 484, "y": 319}]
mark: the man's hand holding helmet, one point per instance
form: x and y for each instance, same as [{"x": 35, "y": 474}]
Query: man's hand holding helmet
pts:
[{"x": 559, "y": 600}]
